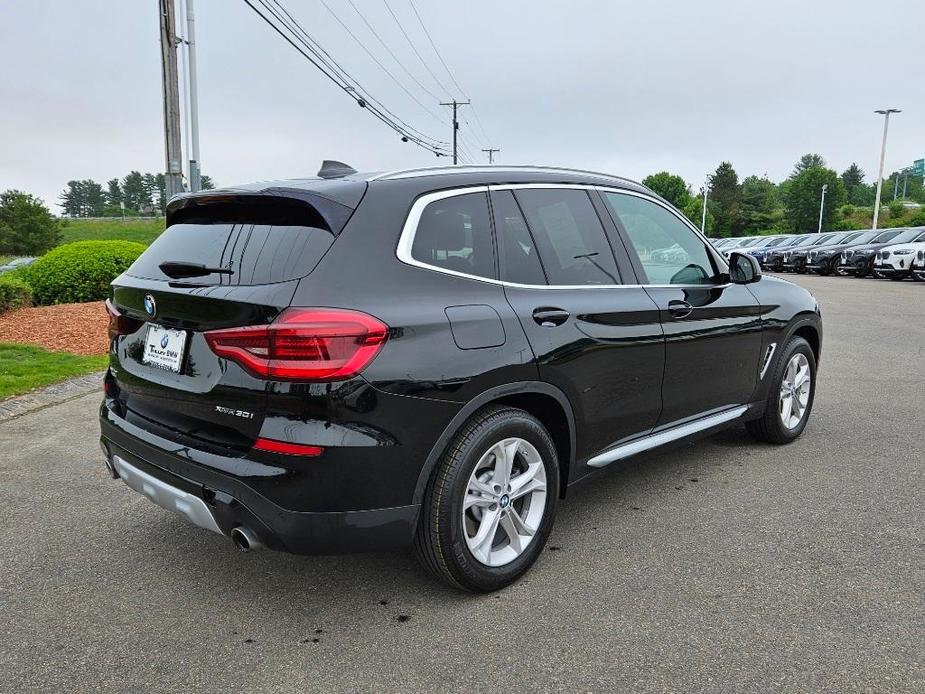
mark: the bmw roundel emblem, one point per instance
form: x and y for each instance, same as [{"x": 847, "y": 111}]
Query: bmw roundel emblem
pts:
[
  {"x": 150, "y": 306},
  {"x": 164, "y": 341}
]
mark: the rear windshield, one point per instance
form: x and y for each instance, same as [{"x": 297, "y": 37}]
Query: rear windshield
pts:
[{"x": 249, "y": 254}]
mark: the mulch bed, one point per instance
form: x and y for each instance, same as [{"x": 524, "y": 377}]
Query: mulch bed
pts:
[{"x": 75, "y": 328}]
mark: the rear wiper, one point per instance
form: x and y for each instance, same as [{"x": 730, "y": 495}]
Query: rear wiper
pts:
[{"x": 178, "y": 269}]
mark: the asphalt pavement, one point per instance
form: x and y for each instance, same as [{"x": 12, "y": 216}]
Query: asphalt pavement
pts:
[{"x": 724, "y": 565}]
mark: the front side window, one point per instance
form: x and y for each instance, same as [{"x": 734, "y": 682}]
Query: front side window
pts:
[
  {"x": 670, "y": 252},
  {"x": 572, "y": 245},
  {"x": 454, "y": 234}
]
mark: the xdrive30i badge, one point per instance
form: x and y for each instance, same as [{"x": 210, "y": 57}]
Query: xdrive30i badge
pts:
[{"x": 234, "y": 412}]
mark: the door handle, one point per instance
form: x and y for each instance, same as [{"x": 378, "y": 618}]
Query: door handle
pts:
[
  {"x": 550, "y": 317},
  {"x": 679, "y": 309}
]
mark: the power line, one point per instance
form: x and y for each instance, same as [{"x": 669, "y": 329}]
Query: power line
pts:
[
  {"x": 332, "y": 64},
  {"x": 339, "y": 76},
  {"x": 390, "y": 52},
  {"x": 414, "y": 48},
  {"x": 345, "y": 80},
  {"x": 446, "y": 67},
  {"x": 377, "y": 61},
  {"x": 434, "y": 46}
]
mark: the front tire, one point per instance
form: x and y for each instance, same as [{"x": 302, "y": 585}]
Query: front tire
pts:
[
  {"x": 491, "y": 501},
  {"x": 790, "y": 400}
]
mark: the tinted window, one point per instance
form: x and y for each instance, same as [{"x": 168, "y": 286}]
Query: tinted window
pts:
[
  {"x": 454, "y": 234},
  {"x": 670, "y": 252},
  {"x": 253, "y": 253},
  {"x": 571, "y": 240},
  {"x": 886, "y": 236},
  {"x": 520, "y": 262}
]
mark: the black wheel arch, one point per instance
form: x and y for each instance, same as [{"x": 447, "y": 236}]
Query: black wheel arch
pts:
[{"x": 543, "y": 400}]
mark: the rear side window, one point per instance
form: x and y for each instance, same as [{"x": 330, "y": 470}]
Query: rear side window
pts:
[
  {"x": 571, "y": 241},
  {"x": 248, "y": 253},
  {"x": 520, "y": 262},
  {"x": 454, "y": 234}
]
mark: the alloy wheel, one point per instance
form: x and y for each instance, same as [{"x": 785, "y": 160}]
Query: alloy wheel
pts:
[
  {"x": 794, "y": 391},
  {"x": 504, "y": 502}
]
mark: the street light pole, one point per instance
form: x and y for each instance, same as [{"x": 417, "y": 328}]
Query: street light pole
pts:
[
  {"x": 194, "y": 164},
  {"x": 886, "y": 124},
  {"x": 825, "y": 187},
  {"x": 703, "y": 217}
]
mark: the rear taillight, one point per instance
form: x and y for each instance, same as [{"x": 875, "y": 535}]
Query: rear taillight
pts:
[
  {"x": 304, "y": 344},
  {"x": 119, "y": 323}
]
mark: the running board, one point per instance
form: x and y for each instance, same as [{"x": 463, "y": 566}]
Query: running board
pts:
[{"x": 661, "y": 438}]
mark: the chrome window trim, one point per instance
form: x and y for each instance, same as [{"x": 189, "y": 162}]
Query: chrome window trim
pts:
[{"x": 409, "y": 229}]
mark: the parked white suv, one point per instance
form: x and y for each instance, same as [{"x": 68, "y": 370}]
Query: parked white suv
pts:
[{"x": 896, "y": 262}]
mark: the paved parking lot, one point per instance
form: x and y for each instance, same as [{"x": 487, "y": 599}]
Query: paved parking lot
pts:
[{"x": 722, "y": 566}]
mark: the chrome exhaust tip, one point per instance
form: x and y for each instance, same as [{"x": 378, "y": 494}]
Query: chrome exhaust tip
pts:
[
  {"x": 107, "y": 458},
  {"x": 244, "y": 539}
]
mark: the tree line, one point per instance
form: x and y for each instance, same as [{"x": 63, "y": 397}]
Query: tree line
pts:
[
  {"x": 758, "y": 205},
  {"x": 140, "y": 194}
]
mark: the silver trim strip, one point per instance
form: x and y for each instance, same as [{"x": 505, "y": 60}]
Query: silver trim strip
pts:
[
  {"x": 660, "y": 439},
  {"x": 166, "y": 496},
  {"x": 406, "y": 240},
  {"x": 767, "y": 360},
  {"x": 441, "y": 170}
]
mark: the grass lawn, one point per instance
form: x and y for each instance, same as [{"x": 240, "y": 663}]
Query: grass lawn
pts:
[
  {"x": 24, "y": 367},
  {"x": 140, "y": 230}
]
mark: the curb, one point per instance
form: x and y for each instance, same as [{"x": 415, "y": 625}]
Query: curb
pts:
[{"x": 55, "y": 394}]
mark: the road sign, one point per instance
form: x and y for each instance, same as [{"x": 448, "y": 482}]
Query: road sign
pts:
[{"x": 918, "y": 167}]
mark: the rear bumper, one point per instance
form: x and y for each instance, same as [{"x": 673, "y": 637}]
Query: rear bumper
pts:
[{"x": 220, "y": 502}]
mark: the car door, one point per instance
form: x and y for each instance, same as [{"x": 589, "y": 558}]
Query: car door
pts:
[
  {"x": 596, "y": 339},
  {"x": 712, "y": 327}
]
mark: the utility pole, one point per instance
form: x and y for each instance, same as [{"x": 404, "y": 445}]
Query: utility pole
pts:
[
  {"x": 905, "y": 182},
  {"x": 194, "y": 163},
  {"x": 825, "y": 187},
  {"x": 886, "y": 124},
  {"x": 491, "y": 154},
  {"x": 455, "y": 104},
  {"x": 173, "y": 155}
]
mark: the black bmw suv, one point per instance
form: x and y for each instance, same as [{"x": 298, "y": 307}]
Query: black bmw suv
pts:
[{"x": 433, "y": 357}]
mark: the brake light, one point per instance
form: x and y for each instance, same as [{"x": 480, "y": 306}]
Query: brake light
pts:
[
  {"x": 304, "y": 344},
  {"x": 119, "y": 323},
  {"x": 286, "y": 448}
]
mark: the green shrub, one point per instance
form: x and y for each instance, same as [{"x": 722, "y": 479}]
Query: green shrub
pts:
[
  {"x": 896, "y": 208},
  {"x": 14, "y": 293},
  {"x": 80, "y": 271},
  {"x": 26, "y": 225}
]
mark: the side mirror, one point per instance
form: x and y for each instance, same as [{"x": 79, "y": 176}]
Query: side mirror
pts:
[{"x": 743, "y": 268}]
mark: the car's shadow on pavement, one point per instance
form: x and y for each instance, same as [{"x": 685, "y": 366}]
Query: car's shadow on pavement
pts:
[{"x": 394, "y": 581}]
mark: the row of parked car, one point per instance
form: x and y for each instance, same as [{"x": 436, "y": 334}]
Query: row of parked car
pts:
[{"x": 896, "y": 254}]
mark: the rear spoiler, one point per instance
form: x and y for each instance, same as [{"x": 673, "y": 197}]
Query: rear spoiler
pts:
[{"x": 292, "y": 206}]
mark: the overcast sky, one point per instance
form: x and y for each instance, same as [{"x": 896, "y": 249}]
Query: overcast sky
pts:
[{"x": 625, "y": 87}]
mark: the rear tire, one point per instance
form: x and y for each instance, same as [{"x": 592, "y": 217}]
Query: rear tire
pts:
[
  {"x": 469, "y": 497},
  {"x": 779, "y": 424}
]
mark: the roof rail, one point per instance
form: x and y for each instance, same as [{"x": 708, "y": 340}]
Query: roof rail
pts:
[{"x": 440, "y": 170}]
